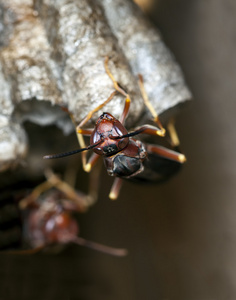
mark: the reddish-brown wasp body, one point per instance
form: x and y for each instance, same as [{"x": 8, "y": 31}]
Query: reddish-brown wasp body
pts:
[
  {"x": 122, "y": 156},
  {"x": 48, "y": 218},
  {"x": 125, "y": 157},
  {"x": 50, "y": 222},
  {"x": 108, "y": 128}
]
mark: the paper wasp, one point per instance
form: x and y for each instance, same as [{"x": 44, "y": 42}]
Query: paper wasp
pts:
[
  {"x": 46, "y": 218},
  {"x": 125, "y": 157}
]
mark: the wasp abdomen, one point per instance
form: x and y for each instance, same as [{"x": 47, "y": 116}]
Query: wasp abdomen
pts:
[{"x": 126, "y": 166}]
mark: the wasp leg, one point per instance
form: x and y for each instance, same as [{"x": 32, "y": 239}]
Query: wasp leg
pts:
[
  {"x": 80, "y": 133},
  {"x": 82, "y": 200},
  {"x": 90, "y": 114},
  {"x": 54, "y": 181},
  {"x": 120, "y": 90},
  {"x": 37, "y": 191},
  {"x": 91, "y": 197},
  {"x": 99, "y": 247},
  {"x": 166, "y": 153},
  {"x": 68, "y": 190},
  {"x": 91, "y": 162},
  {"x": 94, "y": 177},
  {"x": 125, "y": 111},
  {"x": 147, "y": 102},
  {"x": 87, "y": 132},
  {"x": 82, "y": 145},
  {"x": 117, "y": 89},
  {"x": 115, "y": 189},
  {"x": 147, "y": 129},
  {"x": 87, "y": 165},
  {"x": 173, "y": 134}
]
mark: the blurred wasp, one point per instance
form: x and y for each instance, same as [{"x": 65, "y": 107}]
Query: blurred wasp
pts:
[
  {"x": 124, "y": 156},
  {"x": 48, "y": 218}
]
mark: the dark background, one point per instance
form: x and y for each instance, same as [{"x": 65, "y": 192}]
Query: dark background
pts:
[{"x": 181, "y": 236}]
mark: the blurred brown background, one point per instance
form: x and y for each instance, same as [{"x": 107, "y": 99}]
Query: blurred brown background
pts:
[{"x": 181, "y": 236}]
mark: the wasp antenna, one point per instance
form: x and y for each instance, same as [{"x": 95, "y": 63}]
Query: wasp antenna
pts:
[
  {"x": 136, "y": 132},
  {"x": 99, "y": 247},
  {"x": 60, "y": 155}
]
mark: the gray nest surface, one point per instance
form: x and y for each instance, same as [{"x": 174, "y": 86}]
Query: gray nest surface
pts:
[{"x": 52, "y": 53}]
